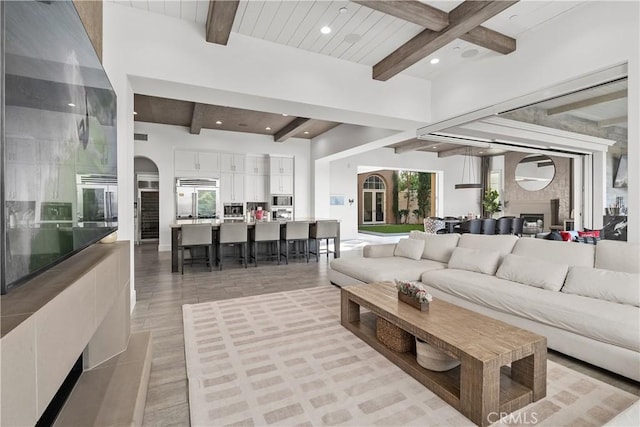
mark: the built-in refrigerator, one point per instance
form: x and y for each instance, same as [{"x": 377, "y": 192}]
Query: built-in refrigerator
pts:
[{"x": 198, "y": 198}]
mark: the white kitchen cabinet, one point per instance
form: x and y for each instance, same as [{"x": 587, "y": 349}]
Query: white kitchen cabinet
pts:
[
  {"x": 280, "y": 175},
  {"x": 232, "y": 187},
  {"x": 281, "y": 184},
  {"x": 256, "y": 188},
  {"x": 257, "y": 164},
  {"x": 281, "y": 165},
  {"x": 57, "y": 183},
  {"x": 190, "y": 163},
  {"x": 232, "y": 163},
  {"x": 21, "y": 182},
  {"x": 209, "y": 164}
]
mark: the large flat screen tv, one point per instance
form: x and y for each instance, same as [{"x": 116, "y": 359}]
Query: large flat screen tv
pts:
[{"x": 59, "y": 185}]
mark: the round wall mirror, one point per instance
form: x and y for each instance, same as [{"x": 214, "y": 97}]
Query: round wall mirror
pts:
[{"x": 535, "y": 172}]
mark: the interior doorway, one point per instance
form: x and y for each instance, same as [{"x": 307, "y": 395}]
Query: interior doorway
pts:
[{"x": 147, "y": 204}]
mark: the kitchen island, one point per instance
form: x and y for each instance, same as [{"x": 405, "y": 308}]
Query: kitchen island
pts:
[{"x": 176, "y": 227}]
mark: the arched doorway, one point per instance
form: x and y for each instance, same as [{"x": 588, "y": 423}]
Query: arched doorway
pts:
[{"x": 373, "y": 200}]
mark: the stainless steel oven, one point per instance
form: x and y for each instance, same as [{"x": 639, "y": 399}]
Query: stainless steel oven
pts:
[
  {"x": 282, "y": 214},
  {"x": 233, "y": 210},
  {"x": 277, "y": 201}
]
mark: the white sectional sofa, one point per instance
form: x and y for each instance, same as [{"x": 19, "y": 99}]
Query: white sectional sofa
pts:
[{"x": 584, "y": 298}]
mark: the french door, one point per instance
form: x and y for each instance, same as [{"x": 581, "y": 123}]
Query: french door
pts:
[{"x": 373, "y": 206}]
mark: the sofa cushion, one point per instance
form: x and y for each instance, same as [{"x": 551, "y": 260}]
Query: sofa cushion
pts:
[
  {"x": 614, "y": 286},
  {"x": 601, "y": 320},
  {"x": 478, "y": 260},
  {"x": 618, "y": 256},
  {"x": 409, "y": 248},
  {"x": 502, "y": 243},
  {"x": 370, "y": 270},
  {"x": 552, "y": 251},
  {"x": 437, "y": 247},
  {"x": 533, "y": 272}
]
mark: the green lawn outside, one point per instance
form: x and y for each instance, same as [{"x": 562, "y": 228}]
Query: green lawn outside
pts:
[{"x": 391, "y": 228}]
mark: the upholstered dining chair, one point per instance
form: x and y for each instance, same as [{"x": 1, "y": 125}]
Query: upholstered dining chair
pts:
[
  {"x": 192, "y": 237},
  {"x": 503, "y": 226},
  {"x": 266, "y": 232},
  {"x": 472, "y": 226},
  {"x": 489, "y": 226},
  {"x": 433, "y": 224},
  {"x": 517, "y": 224},
  {"x": 233, "y": 234},
  {"x": 322, "y": 230},
  {"x": 295, "y": 232}
]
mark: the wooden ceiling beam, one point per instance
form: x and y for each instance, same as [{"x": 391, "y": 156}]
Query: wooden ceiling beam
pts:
[
  {"x": 437, "y": 20},
  {"x": 489, "y": 39},
  {"x": 220, "y": 20},
  {"x": 296, "y": 125},
  {"x": 613, "y": 121},
  {"x": 587, "y": 102},
  {"x": 462, "y": 19},
  {"x": 413, "y": 145},
  {"x": 197, "y": 118},
  {"x": 412, "y": 11}
]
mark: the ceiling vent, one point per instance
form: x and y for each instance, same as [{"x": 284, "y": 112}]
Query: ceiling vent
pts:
[{"x": 140, "y": 137}]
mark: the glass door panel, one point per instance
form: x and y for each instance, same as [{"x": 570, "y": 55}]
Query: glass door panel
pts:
[
  {"x": 367, "y": 207},
  {"x": 207, "y": 202},
  {"x": 379, "y": 209}
]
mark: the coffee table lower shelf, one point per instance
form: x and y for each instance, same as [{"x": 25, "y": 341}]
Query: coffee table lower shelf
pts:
[{"x": 446, "y": 385}]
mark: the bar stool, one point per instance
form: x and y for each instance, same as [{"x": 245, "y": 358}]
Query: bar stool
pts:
[
  {"x": 233, "y": 234},
  {"x": 194, "y": 236},
  {"x": 295, "y": 232},
  {"x": 323, "y": 230},
  {"x": 266, "y": 232}
]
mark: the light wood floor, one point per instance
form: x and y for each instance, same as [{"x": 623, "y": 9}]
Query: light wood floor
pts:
[{"x": 161, "y": 294}]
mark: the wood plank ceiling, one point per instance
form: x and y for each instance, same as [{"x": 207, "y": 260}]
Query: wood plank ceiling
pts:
[
  {"x": 197, "y": 116},
  {"x": 390, "y": 36}
]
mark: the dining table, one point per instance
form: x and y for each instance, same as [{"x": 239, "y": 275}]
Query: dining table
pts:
[{"x": 176, "y": 227}]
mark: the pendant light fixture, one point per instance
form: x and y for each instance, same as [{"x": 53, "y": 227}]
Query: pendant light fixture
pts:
[{"x": 470, "y": 176}]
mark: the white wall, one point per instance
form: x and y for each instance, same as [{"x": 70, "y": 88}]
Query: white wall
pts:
[
  {"x": 163, "y": 140},
  {"x": 592, "y": 37},
  {"x": 344, "y": 180}
]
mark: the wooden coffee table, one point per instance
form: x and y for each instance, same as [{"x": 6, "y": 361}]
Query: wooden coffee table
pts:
[{"x": 482, "y": 387}]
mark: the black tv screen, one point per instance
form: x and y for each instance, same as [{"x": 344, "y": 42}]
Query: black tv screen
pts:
[{"x": 59, "y": 188}]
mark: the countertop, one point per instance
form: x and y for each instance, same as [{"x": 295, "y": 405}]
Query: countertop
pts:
[{"x": 216, "y": 222}]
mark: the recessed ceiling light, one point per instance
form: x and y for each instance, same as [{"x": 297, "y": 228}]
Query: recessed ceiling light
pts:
[
  {"x": 135, "y": 113},
  {"x": 342, "y": 10},
  {"x": 285, "y": 114},
  {"x": 306, "y": 132},
  {"x": 71, "y": 104},
  {"x": 434, "y": 146},
  {"x": 218, "y": 122},
  {"x": 267, "y": 128},
  {"x": 434, "y": 61},
  {"x": 325, "y": 30},
  {"x": 479, "y": 152}
]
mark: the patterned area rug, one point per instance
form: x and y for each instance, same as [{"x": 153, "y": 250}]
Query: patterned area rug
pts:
[{"x": 284, "y": 359}]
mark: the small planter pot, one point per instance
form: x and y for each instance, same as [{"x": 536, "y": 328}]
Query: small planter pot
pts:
[
  {"x": 412, "y": 302},
  {"x": 432, "y": 358}
]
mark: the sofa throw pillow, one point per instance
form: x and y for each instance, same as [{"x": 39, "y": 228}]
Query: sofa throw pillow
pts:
[
  {"x": 533, "y": 272},
  {"x": 477, "y": 260},
  {"x": 437, "y": 247},
  {"x": 409, "y": 248},
  {"x": 608, "y": 285}
]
